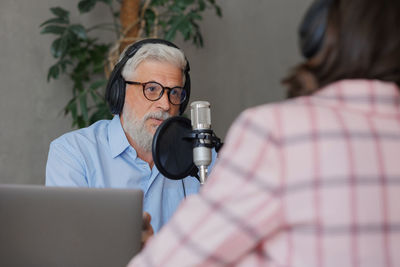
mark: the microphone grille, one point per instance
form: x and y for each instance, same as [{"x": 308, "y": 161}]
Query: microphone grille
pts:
[{"x": 200, "y": 115}]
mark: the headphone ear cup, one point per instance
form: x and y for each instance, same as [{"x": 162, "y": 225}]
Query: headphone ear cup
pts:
[
  {"x": 312, "y": 28},
  {"x": 186, "y": 87},
  {"x": 116, "y": 95}
]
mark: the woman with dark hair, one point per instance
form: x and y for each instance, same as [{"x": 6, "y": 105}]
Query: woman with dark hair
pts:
[{"x": 312, "y": 181}]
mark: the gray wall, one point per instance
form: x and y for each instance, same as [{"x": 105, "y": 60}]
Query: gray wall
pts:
[{"x": 246, "y": 53}]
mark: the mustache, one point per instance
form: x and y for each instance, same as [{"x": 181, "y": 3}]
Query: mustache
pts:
[{"x": 159, "y": 115}]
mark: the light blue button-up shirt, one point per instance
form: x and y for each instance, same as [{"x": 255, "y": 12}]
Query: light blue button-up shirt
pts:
[{"x": 100, "y": 156}]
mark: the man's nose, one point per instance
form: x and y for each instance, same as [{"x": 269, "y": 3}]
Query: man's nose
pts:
[{"x": 163, "y": 102}]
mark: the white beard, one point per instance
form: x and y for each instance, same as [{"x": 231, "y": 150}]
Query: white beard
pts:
[{"x": 136, "y": 128}]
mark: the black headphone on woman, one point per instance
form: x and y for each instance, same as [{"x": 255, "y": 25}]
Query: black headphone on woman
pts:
[
  {"x": 115, "y": 91},
  {"x": 313, "y": 27}
]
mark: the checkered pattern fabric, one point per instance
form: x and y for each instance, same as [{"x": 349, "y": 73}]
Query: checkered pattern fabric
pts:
[{"x": 313, "y": 181}]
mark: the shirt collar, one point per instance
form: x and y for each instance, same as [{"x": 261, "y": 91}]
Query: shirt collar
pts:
[{"x": 117, "y": 138}]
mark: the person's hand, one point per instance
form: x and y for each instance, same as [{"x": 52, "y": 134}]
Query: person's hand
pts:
[{"x": 147, "y": 229}]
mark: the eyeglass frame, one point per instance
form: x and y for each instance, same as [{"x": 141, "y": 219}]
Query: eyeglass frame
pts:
[{"x": 162, "y": 91}]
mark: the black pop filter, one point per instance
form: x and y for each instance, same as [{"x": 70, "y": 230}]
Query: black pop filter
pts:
[{"x": 172, "y": 152}]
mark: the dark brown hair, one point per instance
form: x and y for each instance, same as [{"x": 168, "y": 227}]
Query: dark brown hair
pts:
[{"x": 362, "y": 41}]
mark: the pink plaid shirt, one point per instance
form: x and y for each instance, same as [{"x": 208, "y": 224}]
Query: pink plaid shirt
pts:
[{"x": 313, "y": 181}]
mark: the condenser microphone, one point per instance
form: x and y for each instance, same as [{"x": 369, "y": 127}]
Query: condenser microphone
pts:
[
  {"x": 183, "y": 147},
  {"x": 200, "y": 115}
]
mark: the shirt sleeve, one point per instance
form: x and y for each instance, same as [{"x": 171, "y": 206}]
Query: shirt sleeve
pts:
[
  {"x": 236, "y": 206},
  {"x": 64, "y": 168}
]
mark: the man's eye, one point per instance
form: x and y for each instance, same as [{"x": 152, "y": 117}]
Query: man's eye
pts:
[
  {"x": 176, "y": 92},
  {"x": 151, "y": 89}
]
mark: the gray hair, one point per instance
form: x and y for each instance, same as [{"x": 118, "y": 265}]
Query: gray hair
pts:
[{"x": 157, "y": 52}]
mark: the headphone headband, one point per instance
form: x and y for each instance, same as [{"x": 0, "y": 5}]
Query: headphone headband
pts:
[{"x": 116, "y": 87}]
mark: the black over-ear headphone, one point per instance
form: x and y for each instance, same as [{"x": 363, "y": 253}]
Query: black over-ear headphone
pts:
[
  {"x": 115, "y": 92},
  {"x": 313, "y": 27}
]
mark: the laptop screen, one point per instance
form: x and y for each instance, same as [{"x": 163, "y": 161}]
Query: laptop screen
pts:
[{"x": 56, "y": 226}]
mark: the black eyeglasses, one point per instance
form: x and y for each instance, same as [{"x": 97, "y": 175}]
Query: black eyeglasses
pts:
[{"x": 154, "y": 91}]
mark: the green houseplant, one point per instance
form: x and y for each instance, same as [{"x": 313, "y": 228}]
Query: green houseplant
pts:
[{"x": 88, "y": 61}]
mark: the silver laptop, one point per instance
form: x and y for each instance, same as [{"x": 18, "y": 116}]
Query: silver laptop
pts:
[{"x": 54, "y": 226}]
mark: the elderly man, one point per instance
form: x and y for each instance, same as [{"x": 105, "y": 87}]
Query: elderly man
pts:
[{"x": 149, "y": 84}]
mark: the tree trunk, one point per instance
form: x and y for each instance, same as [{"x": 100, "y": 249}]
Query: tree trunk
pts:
[{"x": 129, "y": 16}]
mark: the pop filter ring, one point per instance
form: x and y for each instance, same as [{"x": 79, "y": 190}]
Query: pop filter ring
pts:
[{"x": 158, "y": 157}]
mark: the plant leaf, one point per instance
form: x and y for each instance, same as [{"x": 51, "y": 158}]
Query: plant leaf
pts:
[
  {"x": 188, "y": 2},
  {"x": 55, "y": 21},
  {"x": 55, "y": 48},
  {"x": 194, "y": 16},
  {"x": 95, "y": 97},
  {"x": 83, "y": 105},
  {"x": 102, "y": 112},
  {"x": 149, "y": 17},
  {"x": 60, "y": 12},
  {"x": 85, "y": 6},
  {"x": 78, "y": 30},
  {"x": 218, "y": 11},
  {"x": 54, "y": 29},
  {"x": 98, "y": 84},
  {"x": 53, "y": 72},
  {"x": 175, "y": 22},
  {"x": 202, "y": 5},
  {"x": 108, "y": 2},
  {"x": 80, "y": 122},
  {"x": 186, "y": 29},
  {"x": 63, "y": 64},
  {"x": 59, "y": 47},
  {"x": 71, "y": 107}
]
